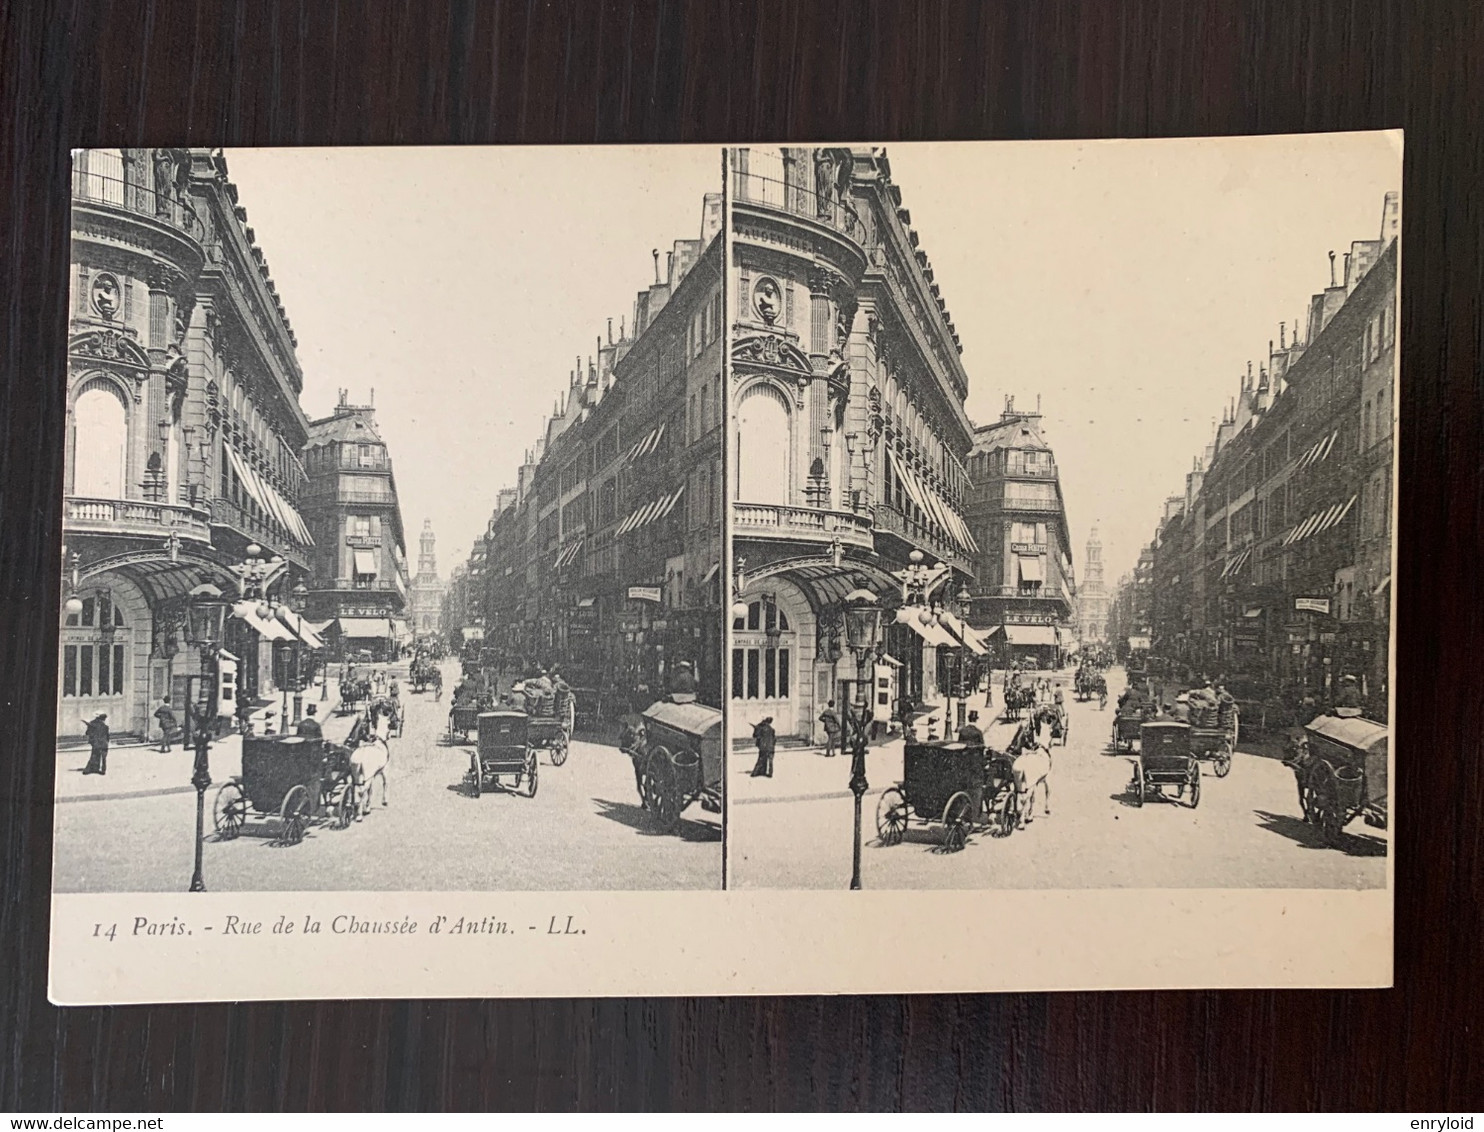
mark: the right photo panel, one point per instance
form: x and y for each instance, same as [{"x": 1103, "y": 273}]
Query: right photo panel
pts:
[{"x": 1061, "y": 502}]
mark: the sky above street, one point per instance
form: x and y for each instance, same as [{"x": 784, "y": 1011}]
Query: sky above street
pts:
[
  {"x": 1128, "y": 284},
  {"x": 461, "y": 284},
  {"x": 1125, "y": 283}
]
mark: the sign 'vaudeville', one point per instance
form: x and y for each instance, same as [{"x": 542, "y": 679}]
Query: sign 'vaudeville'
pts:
[{"x": 1312, "y": 604}]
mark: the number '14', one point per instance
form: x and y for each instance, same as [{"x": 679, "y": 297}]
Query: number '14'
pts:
[{"x": 100, "y": 931}]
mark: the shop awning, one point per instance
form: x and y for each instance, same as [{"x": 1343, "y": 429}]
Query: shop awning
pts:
[
  {"x": 1030, "y": 568},
  {"x": 1030, "y": 634},
  {"x": 936, "y": 510},
  {"x": 1318, "y": 451},
  {"x": 365, "y": 563},
  {"x": 300, "y": 628},
  {"x": 568, "y": 554},
  {"x": 963, "y": 632},
  {"x": 933, "y": 633},
  {"x": 586, "y": 602},
  {"x": 269, "y": 628},
  {"x": 1235, "y": 563},
  {"x": 376, "y": 627},
  {"x": 1381, "y": 585},
  {"x": 403, "y": 630},
  {"x": 649, "y": 512}
]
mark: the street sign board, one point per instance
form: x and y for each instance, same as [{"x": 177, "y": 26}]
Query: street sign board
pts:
[
  {"x": 644, "y": 593},
  {"x": 1312, "y": 604}
]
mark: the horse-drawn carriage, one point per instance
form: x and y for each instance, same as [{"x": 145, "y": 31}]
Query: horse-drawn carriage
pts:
[
  {"x": 962, "y": 786},
  {"x": 1341, "y": 767},
  {"x": 298, "y": 779},
  {"x": 1019, "y": 698},
  {"x": 1165, "y": 759},
  {"x": 355, "y": 694},
  {"x": 463, "y": 718},
  {"x": 422, "y": 673},
  {"x": 504, "y": 752},
  {"x": 676, "y": 749}
]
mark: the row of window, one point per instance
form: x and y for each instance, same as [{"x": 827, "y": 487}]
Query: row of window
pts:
[
  {"x": 92, "y": 670},
  {"x": 760, "y": 673}
]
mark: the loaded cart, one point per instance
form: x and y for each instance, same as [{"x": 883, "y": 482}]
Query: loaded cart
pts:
[
  {"x": 677, "y": 755},
  {"x": 1341, "y": 767},
  {"x": 300, "y": 780},
  {"x": 963, "y": 786}
]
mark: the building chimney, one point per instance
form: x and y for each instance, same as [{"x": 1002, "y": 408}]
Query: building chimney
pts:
[
  {"x": 373, "y": 397},
  {"x": 1283, "y": 333},
  {"x": 669, "y": 266},
  {"x": 621, "y": 331},
  {"x": 1347, "y": 269},
  {"x": 1331, "y": 269},
  {"x": 610, "y": 335},
  {"x": 656, "y": 253}
]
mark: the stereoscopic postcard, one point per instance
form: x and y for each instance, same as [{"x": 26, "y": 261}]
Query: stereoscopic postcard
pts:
[{"x": 703, "y": 570}]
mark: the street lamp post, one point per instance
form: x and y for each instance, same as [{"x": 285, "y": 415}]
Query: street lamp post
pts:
[
  {"x": 862, "y": 615},
  {"x": 206, "y": 619},
  {"x": 298, "y": 598}
]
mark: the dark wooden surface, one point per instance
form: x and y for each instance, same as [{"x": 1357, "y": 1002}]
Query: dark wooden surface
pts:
[{"x": 317, "y": 72}]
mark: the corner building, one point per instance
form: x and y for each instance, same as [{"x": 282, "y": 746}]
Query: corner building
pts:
[
  {"x": 849, "y": 433},
  {"x": 183, "y": 434}
]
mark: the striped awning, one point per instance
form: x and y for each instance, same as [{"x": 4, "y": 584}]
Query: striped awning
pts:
[
  {"x": 1320, "y": 521},
  {"x": 646, "y": 445},
  {"x": 648, "y": 512},
  {"x": 937, "y": 510},
  {"x": 1235, "y": 563},
  {"x": 300, "y": 628},
  {"x": 1318, "y": 451},
  {"x": 568, "y": 554},
  {"x": 930, "y": 631},
  {"x": 269, "y": 499},
  {"x": 270, "y": 628}
]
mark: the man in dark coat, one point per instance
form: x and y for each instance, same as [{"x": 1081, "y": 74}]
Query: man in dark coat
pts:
[
  {"x": 831, "y": 721},
  {"x": 766, "y": 739},
  {"x": 168, "y": 724},
  {"x": 309, "y": 727},
  {"x": 970, "y": 732},
  {"x": 97, "y": 733}
]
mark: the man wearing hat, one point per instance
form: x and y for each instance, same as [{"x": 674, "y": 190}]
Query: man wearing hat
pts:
[
  {"x": 97, "y": 733},
  {"x": 1348, "y": 702},
  {"x": 683, "y": 684},
  {"x": 766, "y": 739},
  {"x": 970, "y": 732}
]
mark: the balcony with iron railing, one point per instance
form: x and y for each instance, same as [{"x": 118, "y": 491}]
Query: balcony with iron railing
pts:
[
  {"x": 767, "y": 180},
  {"x": 922, "y": 536},
  {"x": 116, "y": 194},
  {"x": 135, "y": 518},
  {"x": 803, "y": 524}
]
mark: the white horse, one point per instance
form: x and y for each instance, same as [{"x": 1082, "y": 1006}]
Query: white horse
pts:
[
  {"x": 368, "y": 763},
  {"x": 1032, "y": 766}
]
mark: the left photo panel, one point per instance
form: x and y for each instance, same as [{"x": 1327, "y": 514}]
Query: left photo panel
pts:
[{"x": 393, "y": 538}]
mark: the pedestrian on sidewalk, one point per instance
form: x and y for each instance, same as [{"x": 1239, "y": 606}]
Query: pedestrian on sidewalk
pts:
[
  {"x": 766, "y": 739},
  {"x": 97, "y": 733},
  {"x": 831, "y": 721},
  {"x": 168, "y": 725}
]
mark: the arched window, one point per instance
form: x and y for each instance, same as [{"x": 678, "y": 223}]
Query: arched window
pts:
[
  {"x": 764, "y": 444},
  {"x": 100, "y": 433},
  {"x": 95, "y": 648},
  {"x": 762, "y": 652}
]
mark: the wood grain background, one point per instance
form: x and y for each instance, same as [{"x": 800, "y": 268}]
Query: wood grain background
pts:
[{"x": 317, "y": 72}]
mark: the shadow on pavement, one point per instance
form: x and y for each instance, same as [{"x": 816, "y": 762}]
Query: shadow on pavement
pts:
[
  {"x": 1311, "y": 837},
  {"x": 638, "y": 819}
]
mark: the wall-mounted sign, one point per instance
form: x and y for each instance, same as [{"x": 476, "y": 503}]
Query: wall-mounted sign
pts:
[
  {"x": 1312, "y": 604},
  {"x": 644, "y": 593}
]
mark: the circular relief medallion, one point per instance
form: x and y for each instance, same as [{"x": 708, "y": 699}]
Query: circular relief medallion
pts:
[
  {"x": 106, "y": 294},
  {"x": 767, "y": 299}
]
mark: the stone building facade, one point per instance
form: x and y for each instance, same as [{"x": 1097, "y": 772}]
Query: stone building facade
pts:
[
  {"x": 849, "y": 436},
  {"x": 360, "y": 559},
  {"x": 182, "y": 438}
]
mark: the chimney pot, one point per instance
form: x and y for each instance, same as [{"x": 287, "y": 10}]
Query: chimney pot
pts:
[
  {"x": 610, "y": 333},
  {"x": 1282, "y": 334},
  {"x": 1331, "y": 269},
  {"x": 669, "y": 266},
  {"x": 656, "y": 253}
]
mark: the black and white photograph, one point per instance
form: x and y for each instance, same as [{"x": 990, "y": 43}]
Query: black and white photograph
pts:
[
  {"x": 393, "y": 521},
  {"x": 1062, "y": 513}
]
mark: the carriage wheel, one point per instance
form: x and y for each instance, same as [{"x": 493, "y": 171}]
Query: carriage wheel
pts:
[
  {"x": 1221, "y": 765},
  {"x": 531, "y": 773},
  {"x": 476, "y": 773},
  {"x": 229, "y": 811},
  {"x": 342, "y": 810},
  {"x": 1327, "y": 810},
  {"x": 891, "y": 816},
  {"x": 1006, "y": 816},
  {"x": 559, "y": 749},
  {"x": 664, "y": 790},
  {"x": 1138, "y": 784},
  {"x": 1195, "y": 787},
  {"x": 294, "y": 815},
  {"x": 956, "y": 817}
]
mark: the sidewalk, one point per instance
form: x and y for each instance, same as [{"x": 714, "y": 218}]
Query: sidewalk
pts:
[{"x": 142, "y": 771}]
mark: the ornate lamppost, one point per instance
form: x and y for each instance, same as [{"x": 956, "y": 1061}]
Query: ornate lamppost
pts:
[
  {"x": 298, "y": 598},
  {"x": 206, "y": 616},
  {"x": 862, "y": 616}
]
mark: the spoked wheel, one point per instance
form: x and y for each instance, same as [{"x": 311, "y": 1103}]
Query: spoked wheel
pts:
[
  {"x": 531, "y": 773},
  {"x": 1326, "y": 804},
  {"x": 891, "y": 817},
  {"x": 229, "y": 811},
  {"x": 559, "y": 749},
  {"x": 1005, "y": 816},
  {"x": 1195, "y": 787},
  {"x": 476, "y": 774},
  {"x": 294, "y": 815},
  {"x": 342, "y": 808},
  {"x": 956, "y": 816},
  {"x": 664, "y": 790},
  {"x": 1221, "y": 765},
  {"x": 1138, "y": 787}
]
